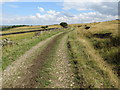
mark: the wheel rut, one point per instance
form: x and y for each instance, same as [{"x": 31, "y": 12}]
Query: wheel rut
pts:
[
  {"x": 28, "y": 77},
  {"x": 30, "y": 80},
  {"x": 61, "y": 67}
]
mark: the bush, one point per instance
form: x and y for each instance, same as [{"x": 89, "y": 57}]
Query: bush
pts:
[
  {"x": 87, "y": 27},
  {"x": 115, "y": 41},
  {"x": 64, "y": 24},
  {"x": 44, "y": 27}
]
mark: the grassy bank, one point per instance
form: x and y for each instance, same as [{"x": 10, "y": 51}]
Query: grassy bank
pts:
[
  {"x": 108, "y": 46},
  {"x": 95, "y": 60},
  {"x": 23, "y": 42},
  {"x": 27, "y": 28}
]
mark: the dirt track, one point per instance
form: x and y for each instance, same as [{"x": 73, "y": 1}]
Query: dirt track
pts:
[
  {"x": 23, "y": 72},
  {"x": 60, "y": 69}
]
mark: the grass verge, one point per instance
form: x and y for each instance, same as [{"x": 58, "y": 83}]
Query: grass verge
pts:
[
  {"x": 12, "y": 52},
  {"x": 88, "y": 73}
]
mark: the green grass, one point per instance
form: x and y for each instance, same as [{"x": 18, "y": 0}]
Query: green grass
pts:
[
  {"x": 19, "y": 37},
  {"x": 24, "y": 43}
]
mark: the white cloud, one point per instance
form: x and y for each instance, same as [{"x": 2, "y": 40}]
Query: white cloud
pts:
[
  {"x": 52, "y": 18},
  {"x": 102, "y": 12},
  {"x": 53, "y": 12},
  {"x": 41, "y": 9},
  {"x": 108, "y": 8}
]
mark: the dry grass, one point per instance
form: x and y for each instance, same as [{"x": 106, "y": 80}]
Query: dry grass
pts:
[
  {"x": 28, "y": 28},
  {"x": 97, "y": 72}
]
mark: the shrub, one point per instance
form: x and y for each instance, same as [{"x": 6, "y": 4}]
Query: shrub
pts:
[
  {"x": 115, "y": 41},
  {"x": 44, "y": 27},
  {"x": 64, "y": 24},
  {"x": 87, "y": 27}
]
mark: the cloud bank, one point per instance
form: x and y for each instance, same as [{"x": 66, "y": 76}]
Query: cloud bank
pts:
[
  {"x": 100, "y": 11},
  {"x": 53, "y": 17}
]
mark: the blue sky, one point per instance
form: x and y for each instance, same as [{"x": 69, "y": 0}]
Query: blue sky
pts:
[
  {"x": 55, "y": 12},
  {"x": 29, "y": 8}
]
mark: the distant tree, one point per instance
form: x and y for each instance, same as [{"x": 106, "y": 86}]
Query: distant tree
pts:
[
  {"x": 44, "y": 27},
  {"x": 87, "y": 27},
  {"x": 64, "y": 24},
  {"x": 4, "y": 28}
]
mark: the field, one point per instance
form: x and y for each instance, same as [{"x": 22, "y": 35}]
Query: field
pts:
[
  {"x": 73, "y": 57},
  {"x": 21, "y": 43},
  {"x": 96, "y": 56},
  {"x": 26, "y": 28}
]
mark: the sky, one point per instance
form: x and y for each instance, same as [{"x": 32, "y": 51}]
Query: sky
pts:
[{"x": 48, "y": 12}]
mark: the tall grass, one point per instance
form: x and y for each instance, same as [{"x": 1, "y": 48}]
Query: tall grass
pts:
[
  {"x": 88, "y": 73},
  {"x": 108, "y": 47}
]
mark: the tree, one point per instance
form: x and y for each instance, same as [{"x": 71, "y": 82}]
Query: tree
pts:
[
  {"x": 44, "y": 27},
  {"x": 64, "y": 24}
]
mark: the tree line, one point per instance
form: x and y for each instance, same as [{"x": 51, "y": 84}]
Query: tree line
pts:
[{"x": 4, "y": 28}]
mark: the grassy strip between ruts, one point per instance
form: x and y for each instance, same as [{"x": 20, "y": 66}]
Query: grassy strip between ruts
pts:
[
  {"x": 11, "y": 53},
  {"x": 88, "y": 74}
]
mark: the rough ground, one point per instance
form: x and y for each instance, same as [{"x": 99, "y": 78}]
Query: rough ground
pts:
[
  {"x": 23, "y": 72},
  {"x": 61, "y": 71},
  {"x": 97, "y": 58}
]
